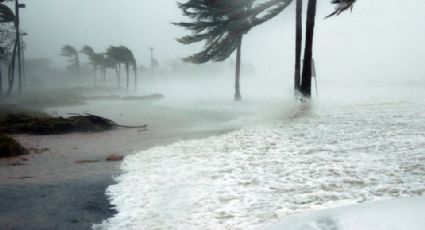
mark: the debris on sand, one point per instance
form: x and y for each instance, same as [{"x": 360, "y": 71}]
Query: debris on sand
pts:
[
  {"x": 86, "y": 161},
  {"x": 114, "y": 157},
  {"x": 17, "y": 122},
  {"x": 10, "y": 148}
]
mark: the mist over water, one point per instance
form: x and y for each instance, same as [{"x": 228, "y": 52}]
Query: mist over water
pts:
[{"x": 247, "y": 164}]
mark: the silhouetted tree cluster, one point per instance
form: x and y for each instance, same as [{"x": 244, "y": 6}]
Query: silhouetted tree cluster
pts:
[
  {"x": 113, "y": 58},
  {"x": 222, "y": 23}
]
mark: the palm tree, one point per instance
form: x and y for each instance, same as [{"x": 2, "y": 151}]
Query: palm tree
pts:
[
  {"x": 308, "y": 49},
  {"x": 212, "y": 23},
  {"x": 124, "y": 55},
  {"x": 341, "y": 6},
  {"x": 7, "y": 42},
  {"x": 113, "y": 61},
  {"x": 6, "y": 14},
  {"x": 298, "y": 46},
  {"x": 72, "y": 54},
  {"x": 237, "y": 19},
  {"x": 96, "y": 60},
  {"x": 221, "y": 24}
]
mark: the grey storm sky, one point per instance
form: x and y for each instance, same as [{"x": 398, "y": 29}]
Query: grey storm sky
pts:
[{"x": 380, "y": 37}]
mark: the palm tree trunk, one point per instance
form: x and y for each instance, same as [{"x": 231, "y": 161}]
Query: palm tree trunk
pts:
[
  {"x": 104, "y": 75},
  {"x": 298, "y": 46},
  {"x": 308, "y": 52},
  {"x": 95, "y": 74},
  {"x": 238, "y": 71},
  {"x": 128, "y": 76},
  {"x": 135, "y": 75},
  {"x": 1, "y": 83},
  {"x": 78, "y": 65},
  {"x": 18, "y": 41},
  {"x": 11, "y": 71},
  {"x": 118, "y": 77}
]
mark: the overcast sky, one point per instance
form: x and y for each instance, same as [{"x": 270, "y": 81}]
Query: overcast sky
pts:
[{"x": 380, "y": 37}]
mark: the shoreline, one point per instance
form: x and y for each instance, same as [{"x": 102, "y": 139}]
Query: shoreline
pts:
[
  {"x": 53, "y": 187},
  {"x": 51, "y": 191}
]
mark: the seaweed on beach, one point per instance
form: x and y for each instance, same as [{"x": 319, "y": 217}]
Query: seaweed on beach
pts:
[
  {"x": 10, "y": 148},
  {"x": 17, "y": 122}
]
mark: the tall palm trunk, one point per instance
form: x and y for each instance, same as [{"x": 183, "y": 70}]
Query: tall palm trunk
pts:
[
  {"x": 238, "y": 71},
  {"x": 77, "y": 60},
  {"x": 298, "y": 46},
  {"x": 11, "y": 70},
  {"x": 18, "y": 41},
  {"x": 308, "y": 52},
  {"x": 117, "y": 75},
  {"x": 1, "y": 83},
  {"x": 135, "y": 75},
  {"x": 128, "y": 76},
  {"x": 95, "y": 74}
]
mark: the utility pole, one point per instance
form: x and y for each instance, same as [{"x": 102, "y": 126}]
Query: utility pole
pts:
[
  {"x": 23, "y": 59},
  {"x": 18, "y": 42}
]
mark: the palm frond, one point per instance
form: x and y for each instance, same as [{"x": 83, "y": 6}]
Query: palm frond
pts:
[
  {"x": 6, "y": 14},
  {"x": 341, "y": 6}
]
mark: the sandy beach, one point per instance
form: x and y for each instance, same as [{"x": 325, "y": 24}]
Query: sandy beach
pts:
[{"x": 61, "y": 184}]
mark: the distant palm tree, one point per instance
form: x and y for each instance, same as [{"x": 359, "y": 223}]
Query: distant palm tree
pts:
[
  {"x": 72, "y": 54},
  {"x": 124, "y": 55},
  {"x": 113, "y": 61},
  {"x": 211, "y": 22},
  {"x": 96, "y": 60}
]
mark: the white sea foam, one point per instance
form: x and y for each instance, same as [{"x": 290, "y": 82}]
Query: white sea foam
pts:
[{"x": 318, "y": 158}]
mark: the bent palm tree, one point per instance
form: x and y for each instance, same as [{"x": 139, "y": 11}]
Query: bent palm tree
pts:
[
  {"x": 96, "y": 60},
  {"x": 124, "y": 55},
  {"x": 212, "y": 22},
  {"x": 72, "y": 54}
]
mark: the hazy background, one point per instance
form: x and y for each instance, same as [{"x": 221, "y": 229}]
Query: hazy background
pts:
[{"x": 381, "y": 39}]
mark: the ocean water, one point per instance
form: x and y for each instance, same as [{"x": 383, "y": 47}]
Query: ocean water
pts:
[{"x": 315, "y": 157}]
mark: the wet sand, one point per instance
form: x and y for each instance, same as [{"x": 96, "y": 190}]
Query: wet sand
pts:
[{"x": 47, "y": 189}]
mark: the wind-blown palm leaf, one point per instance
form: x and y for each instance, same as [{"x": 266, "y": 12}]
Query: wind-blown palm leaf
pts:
[
  {"x": 7, "y": 41},
  {"x": 221, "y": 24},
  {"x": 68, "y": 51},
  {"x": 6, "y": 14},
  {"x": 341, "y": 6}
]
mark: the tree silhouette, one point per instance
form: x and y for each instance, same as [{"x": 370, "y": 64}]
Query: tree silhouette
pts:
[
  {"x": 72, "y": 54},
  {"x": 7, "y": 42},
  {"x": 123, "y": 55},
  {"x": 96, "y": 60},
  {"x": 239, "y": 20},
  {"x": 6, "y": 14},
  {"x": 298, "y": 45},
  {"x": 221, "y": 24}
]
